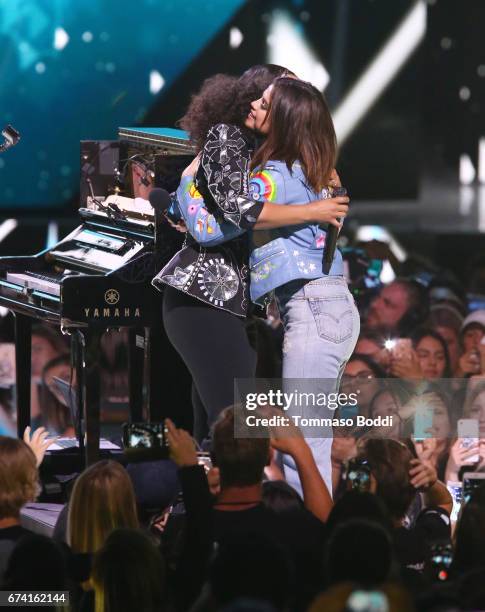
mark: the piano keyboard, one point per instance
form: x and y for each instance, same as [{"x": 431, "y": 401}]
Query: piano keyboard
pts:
[{"x": 47, "y": 282}]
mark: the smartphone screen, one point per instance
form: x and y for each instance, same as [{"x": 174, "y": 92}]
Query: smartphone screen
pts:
[
  {"x": 358, "y": 476},
  {"x": 402, "y": 348},
  {"x": 456, "y": 492},
  {"x": 471, "y": 482},
  {"x": 143, "y": 435},
  {"x": 469, "y": 433},
  {"x": 423, "y": 422}
]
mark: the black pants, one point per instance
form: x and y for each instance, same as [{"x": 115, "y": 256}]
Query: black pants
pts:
[{"x": 215, "y": 347}]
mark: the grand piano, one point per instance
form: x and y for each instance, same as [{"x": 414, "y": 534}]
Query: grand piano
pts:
[{"x": 98, "y": 277}]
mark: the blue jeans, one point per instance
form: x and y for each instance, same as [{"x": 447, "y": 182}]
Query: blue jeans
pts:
[{"x": 322, "y": 325}]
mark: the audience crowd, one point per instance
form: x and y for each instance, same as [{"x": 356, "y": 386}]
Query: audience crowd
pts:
[{"x": 402, "y": 529}]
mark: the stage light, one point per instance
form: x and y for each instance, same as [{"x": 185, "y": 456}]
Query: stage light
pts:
[
  {"x": 235, "y": 38},
  {"x": 156, "y": 82},
  {"x": 87, "y": 37},
  {"x": 465, "y": 93},
  {"x": 61, "y": 38},
  {"x": 7, "y": 227},
  {"x": 467, "y": 171},
  {"x": 481, "y": 208},
  {"x": 381, "y": 71},
  {"x": 366, "y": 233},
  {"x": 287, "y": 47},
  {"x": 446, "y": 43},
  {"x": 52, "y": 234},
  {"x": 481, "y": 160}
]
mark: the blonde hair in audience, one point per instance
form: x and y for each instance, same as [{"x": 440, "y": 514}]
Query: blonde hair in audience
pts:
[
  {"x": 19, "y": 478},
  {"x": 102, "y": 500}
]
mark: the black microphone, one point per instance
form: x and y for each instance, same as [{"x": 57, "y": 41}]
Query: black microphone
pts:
[
  {"x": 162, "y": 203},
  {"x": 331, "y": 236},
  {"x": 11, "y": 138}
]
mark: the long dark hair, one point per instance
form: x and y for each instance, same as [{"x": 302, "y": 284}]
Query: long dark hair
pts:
[
  {"x": 300, "y": 128},
  {"x": 227, "y": 99}
]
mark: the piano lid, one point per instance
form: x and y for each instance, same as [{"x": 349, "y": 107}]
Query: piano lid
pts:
[{"x": 172, "y": 141}]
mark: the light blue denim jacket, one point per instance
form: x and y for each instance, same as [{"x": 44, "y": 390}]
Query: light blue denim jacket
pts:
[{"x": 288, "y": 253}]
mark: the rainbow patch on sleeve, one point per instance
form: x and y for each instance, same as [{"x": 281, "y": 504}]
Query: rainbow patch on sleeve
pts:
[
  {"x": 192, "y": 191},
  {"x": 263, "y": 186}
]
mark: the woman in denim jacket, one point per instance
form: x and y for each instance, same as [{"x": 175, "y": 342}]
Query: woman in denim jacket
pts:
[
  {"x": 206, "y": 319},
  {"x": 321, "y": 320}
]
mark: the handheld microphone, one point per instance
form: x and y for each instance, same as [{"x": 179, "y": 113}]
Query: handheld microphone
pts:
[
  {"x": 11, "y": 138},
  {"x": 331, "y": 237},
  {"x": 162, "y": 203}
]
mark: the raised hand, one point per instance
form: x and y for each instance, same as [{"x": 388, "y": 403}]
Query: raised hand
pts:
[
  {"x": 39, "y": 442},
  {"x": 181, "y": 445}
]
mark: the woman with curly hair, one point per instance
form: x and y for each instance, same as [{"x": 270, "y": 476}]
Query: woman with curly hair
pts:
[{"x": 206, "y": 301}]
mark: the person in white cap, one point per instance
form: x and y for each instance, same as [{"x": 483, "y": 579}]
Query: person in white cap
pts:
[{"x": 472, "y": 334}]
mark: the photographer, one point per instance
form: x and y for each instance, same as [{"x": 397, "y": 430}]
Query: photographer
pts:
[{"x": 396, "y": 477}]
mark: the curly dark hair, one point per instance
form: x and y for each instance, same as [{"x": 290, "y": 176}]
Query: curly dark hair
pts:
[{"x": 226, "y": 99}]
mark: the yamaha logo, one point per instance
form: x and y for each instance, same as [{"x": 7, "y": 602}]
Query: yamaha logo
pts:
[{"x": 111, "y": 297}]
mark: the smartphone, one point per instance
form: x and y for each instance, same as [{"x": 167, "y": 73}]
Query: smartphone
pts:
[
  {"x": 205, "y": 460},
  {"x": 441, "y": 559},
  {"x": 468, "y": 431},
  {"x": 471, "y": 482},
  {"x": 146, "y": 439},
  {"x": 456, "y": 492},
  {"x": 358, "y": 475},
  {"x": 402, "y": 348},
  {"x": 423, "y": 422}
]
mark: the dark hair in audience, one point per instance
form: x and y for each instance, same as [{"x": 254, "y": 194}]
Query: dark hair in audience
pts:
[
  {"x": 19, "y": 478},
  {"x": 377, "y": 370},
  {"x": 360, "y": 551},
  {"x": 128, "y": 574},
  {"x": 52, "y": 335},
  {"x": 445, "y": 315},
  {"x": 358, "y": 505},
  {"x": 427, "y": 332},
  {"x": 36, "y": 563},
  {"x": 279, "y": 496},
  {"x": 227, "y": 99},
  {"x": 253, "y": 566},
  {"x": 470, "y": 534},
  {"x": 375, "y": 335},
  {"x": 417, "y": 310},
  {"x": 248, "y": 605},
  {"x": 241, "y": 461},
  {"x": 389, "y": 463}
]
